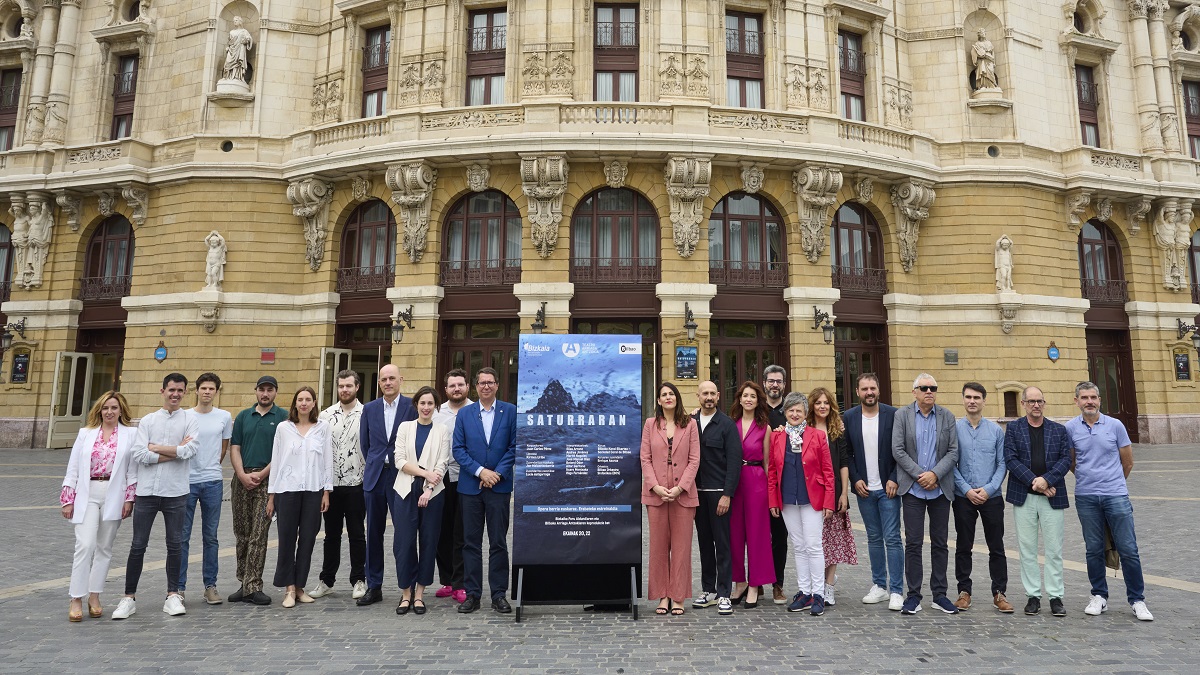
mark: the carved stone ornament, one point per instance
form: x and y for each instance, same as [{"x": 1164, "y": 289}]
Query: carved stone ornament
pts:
[
  {"x": 912, "y": 200},
  {"x": 70, "y": 206},
  {"x": 214, "y": 261},
  {"x": 687, "y": 186},
  {"x": 412, "y": 185},
  {"x": 209, "y": 313},
  {"x": 697, "y": 76},
  {"x": 137, "y": 199},
  {"x": 1008, "y": 315},
  {"x": 1183, "y": 241},
  {"x": 310, "y": 199},
  {"x": 796, "y": 85},
  {"x": 361, "y": 188},
  {"x": 561, "y": 73},
  {"x": 864, "y": 189},
  {"x": 478, "y": 177},
  {"x": 816, "y": 189},
  {"x": 431, "y": 83},
  {"x": 671, "y": 83},
  {"x": 534, "y": 75},
  {"x": 544, "y": 182},
  {"x": 1004, "y": 264},
  {"x": 1077, "y": 203},
  {"x": 106, "y": 203},
  {"x": 1165, "y": 223},
  {"x": 1136, "y": 213},
  {"x": 615, "y": 173},
  {"x": 1104, "y": 209},
  {"x": 752, "y": 177},
  {"x": 33, "y": 230},
  {"x": 327, "y": 102}
]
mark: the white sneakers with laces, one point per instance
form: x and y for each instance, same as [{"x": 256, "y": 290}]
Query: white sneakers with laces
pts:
[
  {"x": 174, "y": 605},
  {"x": 360, "y": 589},
  {"x": 876, "y": 595},
  {"x": 1141, "y": 611},
  {"x": 320, "y": 591},
  {"x": 896, "y": 603},
  {"x": 126, "y": 608},
  {"x": 1096, "y": 606}
]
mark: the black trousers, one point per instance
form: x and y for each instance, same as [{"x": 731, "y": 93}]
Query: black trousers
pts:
[
  {"x": 779, "y": 548},
  {"x": 346, "y": 504},
  {"x": 491, "y": 509},
  {"x": 716, "y": 556},
  {"x": 991, "y": 513},
  {"x": 450, "y": 542},
  {"x": 298, "y": 519},
  {"x": 144, "y": 510},
  {"x": 914, "y": 510}
]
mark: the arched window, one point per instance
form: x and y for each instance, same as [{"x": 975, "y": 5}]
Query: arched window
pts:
[
  {"x": 614, "y": 239},
  {"x": 745, "y": 243},
  {"x": 368, "y": 261},
  {"x": 857, "y": 255},
  {"x": 483, "y": 241},
  {"x": 109, "y": 261},
  {"x": 1101, "y": 274},
  {"x": 6, "y": 270}
]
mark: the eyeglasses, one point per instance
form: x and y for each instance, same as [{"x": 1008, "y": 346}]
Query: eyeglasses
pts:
[
  {"x": 485, "y": 384},
  {"x": 1035, "y": 401},
  {"x": 926, "y": 388},
  {"x": 774, "y": 381}
]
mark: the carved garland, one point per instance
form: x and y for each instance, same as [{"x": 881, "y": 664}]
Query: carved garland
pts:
[
  {"x": 816, "y": 190},
  {"x": 912, "y": 200},
  {"x": 544, "y": 182},
  {"x": 687, "y": 186},
  {"x": 412, "y": 185}
]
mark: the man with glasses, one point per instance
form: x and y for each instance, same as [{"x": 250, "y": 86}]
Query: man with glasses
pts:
[
  {"x": 775, "y": 384},
  {"x": 925, "y": 447},
  {"x": 485, "y": 447},
  {"x": 1037, "y": 452}
]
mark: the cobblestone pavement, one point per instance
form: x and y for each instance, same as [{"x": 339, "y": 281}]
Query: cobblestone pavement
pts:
[{"x": 333, "y": 635}]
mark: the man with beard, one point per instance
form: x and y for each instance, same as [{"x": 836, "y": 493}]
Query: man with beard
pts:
[
  {"x": 450, "y": 543},
  {"x": 346, "y": 503},
  {"x": 250, "y": 454},
  {"x": 774, "y": 382},
  {"x": 716, "y": 481}
]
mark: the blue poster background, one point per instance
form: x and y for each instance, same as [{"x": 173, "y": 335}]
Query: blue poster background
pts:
[{"x": 577, "y": 477}]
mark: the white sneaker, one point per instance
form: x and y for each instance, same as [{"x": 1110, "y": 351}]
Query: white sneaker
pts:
[
  {"x": 1142, "y": 613},
  {"x": 724, "y": 606},
  {"x": 829, "y": 590},
  {"x": 876, "y": 595},
  {"x": 896, "y": 603},
  {"x": 1096, "y": 606},
  {"x": 125, "y": 609},
  {"x": 360, "y": 589},
  {"x": 320, "y": 591},
  {"x": 174, "y": 605},
  {"x": 704, "y": 600}
]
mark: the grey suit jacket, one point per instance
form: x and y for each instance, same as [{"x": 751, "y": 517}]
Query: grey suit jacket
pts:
[{"x": 904, "y": 449}]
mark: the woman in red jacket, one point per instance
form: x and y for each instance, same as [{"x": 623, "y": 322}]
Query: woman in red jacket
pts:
[{"x": 800, "y": 489}]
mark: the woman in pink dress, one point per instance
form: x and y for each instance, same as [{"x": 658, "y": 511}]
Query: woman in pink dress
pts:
[{"x": 750, "y": 524}]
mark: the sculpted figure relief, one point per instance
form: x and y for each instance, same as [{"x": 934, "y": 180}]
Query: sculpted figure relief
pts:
[
  {"x": 214, "y": 261},
  {"x": 237, "y": 53},
  {"x": 1004, "y": 264},
  {"x": 983, "y": 57}
]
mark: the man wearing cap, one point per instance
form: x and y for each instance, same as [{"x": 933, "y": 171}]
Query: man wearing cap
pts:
[{"x": 250, "y": 454}]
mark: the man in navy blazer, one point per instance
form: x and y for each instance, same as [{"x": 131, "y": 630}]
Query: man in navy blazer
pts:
[
  {"x": 485, "y": 447},
  {"x": 377, "y": 438},
  {"x": 873, "y": 476}
]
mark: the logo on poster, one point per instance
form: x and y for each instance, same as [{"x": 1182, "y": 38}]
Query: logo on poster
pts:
[
  {"x": 631, "y": 348},
  {"x": 570, "y": 349}
]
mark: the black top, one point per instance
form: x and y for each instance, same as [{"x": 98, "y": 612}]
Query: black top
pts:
[
  {"x": 776, "y": 417},
  {"x": 842, "y": 456},
  {"x": 720, "y": 455},
  {"x": 1037, "y": 450}
]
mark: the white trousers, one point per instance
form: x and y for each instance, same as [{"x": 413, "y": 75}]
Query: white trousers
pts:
[
  {"x": 804, "y": 526},
  {"x": 93, "y": 543}
]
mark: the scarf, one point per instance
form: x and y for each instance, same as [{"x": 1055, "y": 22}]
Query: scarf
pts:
[{"x": 795, "y": 436}]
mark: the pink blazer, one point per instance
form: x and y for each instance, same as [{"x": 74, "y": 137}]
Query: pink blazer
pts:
[
  {"x": 668, "y": 468},
  {"x": 818, "y": 469}
]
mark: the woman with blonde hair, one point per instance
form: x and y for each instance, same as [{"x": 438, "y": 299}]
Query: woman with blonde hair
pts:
[
  {"x": 836, "y": 539},
  {"x": 99, "y": 458}
]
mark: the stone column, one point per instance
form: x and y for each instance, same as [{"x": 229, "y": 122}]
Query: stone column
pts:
[
  {"x": 1143, "y": 78},
  {"x": 1167, "y": 115},
  {"x": 58, "y": 106},
  {"x": 557, "y": 297},
  {"x": 417, "y": 355},
  {"x": 674, "y": 301},
  {"x": 35, "y": 122}
]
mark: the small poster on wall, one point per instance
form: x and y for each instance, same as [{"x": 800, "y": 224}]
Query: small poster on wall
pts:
[
  {"x": 687, "y": 356},
  {"x": 20, "y": 367},
  {"x": 1183, "y": 366}
]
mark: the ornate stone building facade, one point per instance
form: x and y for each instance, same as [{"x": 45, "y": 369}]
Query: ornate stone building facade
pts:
[{"x": 249, "y": 187}]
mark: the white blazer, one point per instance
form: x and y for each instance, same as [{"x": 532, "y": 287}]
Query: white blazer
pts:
[
  {"x": 434, "y": 457},
  {"x": 79, "y": 473}
]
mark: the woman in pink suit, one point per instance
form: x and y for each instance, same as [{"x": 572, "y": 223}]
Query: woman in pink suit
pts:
[
  {"x": 802, "y": 493},
  {"x": 750, "y": 523},
  {"x": 670, "y": 458}
]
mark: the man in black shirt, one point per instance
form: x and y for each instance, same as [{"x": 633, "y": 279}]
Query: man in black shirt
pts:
[
  {"x": 716, "y": 481},
  {"x": 774, "y": 382}
]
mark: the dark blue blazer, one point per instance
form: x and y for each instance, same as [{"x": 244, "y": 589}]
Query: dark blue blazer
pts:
[
  {"x": 1017, "y": 456},
  {"x": 472, "y": 451},
  {"x": 858, "y": 461},
  {"x": 376, "y": 440}
]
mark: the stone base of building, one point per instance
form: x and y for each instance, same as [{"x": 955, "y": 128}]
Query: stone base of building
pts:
[
  {"x": 23, "y": 432},
  {"x": 1169, "y": 428}
]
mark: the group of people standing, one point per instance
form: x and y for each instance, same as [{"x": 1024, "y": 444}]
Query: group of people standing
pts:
[
  {"x": 352, "y": 465},
  {"x": 795, "y": 459}
]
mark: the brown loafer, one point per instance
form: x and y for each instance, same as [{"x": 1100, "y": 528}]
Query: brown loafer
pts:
[
  {"x": 1002, "y": 603},
  {"x": 963, "y": 603}
]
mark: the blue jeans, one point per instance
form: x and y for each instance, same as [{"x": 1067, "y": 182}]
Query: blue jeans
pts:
[
  {"x": 881, "y": 517},
  {"x": 208, "y": 494},
  {"x": 1095, "y": 512}
]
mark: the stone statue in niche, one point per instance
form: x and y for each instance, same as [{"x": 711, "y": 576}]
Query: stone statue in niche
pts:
[
  {"x": 1004, "y": 264},
  {"x": 41, "y": 228},
  {"x": 983, "y": 58},
  {"x": 214, "y": 261},
  {"x": 235, "y": 74}
]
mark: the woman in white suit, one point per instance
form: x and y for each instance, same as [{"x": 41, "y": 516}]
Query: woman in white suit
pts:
[
  {"x": 97, "y": 493},
  {"x": 423, "y": 455}
]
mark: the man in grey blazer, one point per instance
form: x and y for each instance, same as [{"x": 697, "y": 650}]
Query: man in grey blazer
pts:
[{"x": 925, "y": 447}]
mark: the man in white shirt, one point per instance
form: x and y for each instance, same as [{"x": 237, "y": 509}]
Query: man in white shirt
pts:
[
  {"x": 346, "y": 503},
  {"x": 215, "y": 427},
  {"x": 450, "y": 543},
  {"x": 165, "y": 440}
]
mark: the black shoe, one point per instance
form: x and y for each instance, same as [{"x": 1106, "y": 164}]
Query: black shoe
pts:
[
  {"x": 373, "y": 596},
  {"x": 737, "y": 599},
  {"x": 471, "y": 604},
  {"x": 257, "y": 598},
  {"x": 1035, "y": 605},
  {"x": 403, "y": 607},
  {"x": 418, "y": 609},
  {"x": 1057, "y": 608},
  {"x": 501, "y": 605},
  {"x": 237, "y": 596}
]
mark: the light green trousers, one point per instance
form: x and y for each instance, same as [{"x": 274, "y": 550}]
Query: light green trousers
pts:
[{"x": 1033, "y": 516}]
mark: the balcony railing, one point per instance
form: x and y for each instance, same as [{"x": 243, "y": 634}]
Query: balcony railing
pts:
[
  {"x": 376, "y": 55},
  {"x": 104, "y": 288},
  {"x": 616, "y": 35},
  {"x": 1089, "y": 95},
  {"x": 10, "y": 97},
  {"x": 480, "y": 273},
  {"x": 486, "y": 39},
  {"x": 365, "y": 279},
  {"x": 852, "y": 61},
  {"x": 615, "y": 113},
  {"x": 860, "y": 280},
  {"x": 124, "y": 84},
  {"x": 1105, "y": 291},
  {"x": 744, "y": 42},
  {"x": 748, "y": 274},
  {"x": 615, "y": 271}
]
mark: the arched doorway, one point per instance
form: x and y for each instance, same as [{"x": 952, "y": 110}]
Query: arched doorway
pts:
[
  {"x": 860, "y": 335},
  {"x": 1109, "y": 352},
  {"x": 748, "y": 264}
]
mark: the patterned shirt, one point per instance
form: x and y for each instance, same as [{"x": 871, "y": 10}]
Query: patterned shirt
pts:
[
  {"x": 104, "y": 454},
  {"x": 348, "y": 462}
]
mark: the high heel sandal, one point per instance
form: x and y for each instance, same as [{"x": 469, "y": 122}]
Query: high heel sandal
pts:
[
  {"x": 661, "y": 610},
  {"x": 737, "y": 599},
  {"x": 95, "y": 611},
  {"x": 75, "y": 616},
  {"x": 757, "y": 597},
  {"x": 676, "y": 608}
]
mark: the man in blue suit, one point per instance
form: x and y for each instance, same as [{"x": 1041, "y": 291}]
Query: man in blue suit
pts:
[
  {"x": 873, "y": 475},
  {"x": 377, "y": 438},
  {"x": 485, "y": 447}
]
